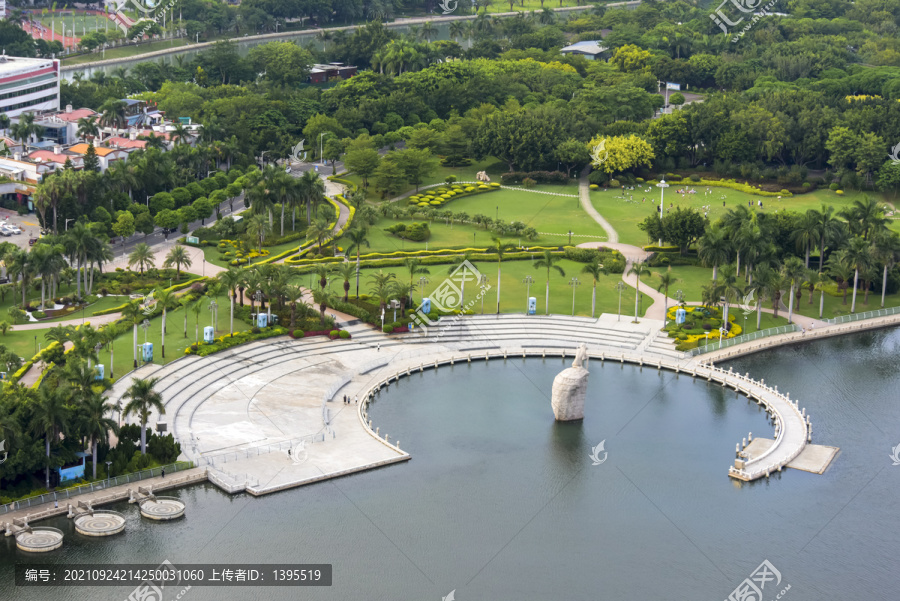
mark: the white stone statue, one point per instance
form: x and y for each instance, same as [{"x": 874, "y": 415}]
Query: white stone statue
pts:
[
  {"x": 580, "y": 356},
  {"x": 570, "y": 389},
  {"x": 482, "y": 176}
]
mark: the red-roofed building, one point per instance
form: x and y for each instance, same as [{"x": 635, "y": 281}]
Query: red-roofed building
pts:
[
  {"x": 56, "y": 157},
  {"x": 124, "y": 143}
]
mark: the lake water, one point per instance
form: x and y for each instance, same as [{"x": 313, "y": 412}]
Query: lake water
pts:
[{"x": 502, "y": 503}]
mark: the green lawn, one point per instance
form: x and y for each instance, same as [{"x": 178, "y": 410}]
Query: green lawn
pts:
[
  {"x": 126, "y": 51},
  {"x": 551, "y": 216},
  {"x": 626, "y": 213},
  {"x": 493, "y": 167},
  {"x": 513, "y": 298},
  {"x": 693, "y": 278}
]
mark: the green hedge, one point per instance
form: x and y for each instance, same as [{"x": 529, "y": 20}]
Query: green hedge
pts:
[
  {"x": 735, "y": 185},
  {"x": 228, "y": 341},
  {"x": 403, "y": 254}
]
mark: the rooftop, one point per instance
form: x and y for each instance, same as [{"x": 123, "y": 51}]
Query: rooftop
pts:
[
  {"x": 100, "y": 150},
  {"x": 13, "y": 65},
  {"x": 586, "y": 47}
]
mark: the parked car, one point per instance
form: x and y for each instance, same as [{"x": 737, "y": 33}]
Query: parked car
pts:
[
  {"x": 13, "y": 228},
  {"x": 5, "y": 231},
  {"x": 31, "y": 241}
]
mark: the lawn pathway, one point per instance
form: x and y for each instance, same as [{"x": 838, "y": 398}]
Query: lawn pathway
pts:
[{"x": 584, "y": 191}]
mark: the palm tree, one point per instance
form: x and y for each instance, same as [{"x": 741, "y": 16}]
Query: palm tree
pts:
[
  {"x": 135, "y": 313},
  {"x": 666, "y": 279},
  {"x": 595, "y": 270},
  {"x": 322, "y": 298},
  {"x": 25, "y": 129},
  {"x": 807, "y": 233},
  {"x": 142, "y": 256},
  {"x": 177, "y": 256},
  {"x": 50, "y": 415},
  {"x": 95, "y": 424},
  {"x": 428, "y": 31},
  {"x": 319, "y": 230},
  {"x": 358, "y": 237},
  {"x": 414, "y": 267},
  {"x": 794, "y": 273},
  {"x": 637, "y": 270},
  {"x": 257, "y": 229},
  {"x": 821, "y": 281},
  {"x": 499, "y": 248},
  {"x": 142, "y": 399},
  {"x": 165, "y": 299},
  {"x": 87, "y": 128},
  {"x": 865, "y": 216},
  {"x": 760, "y": 285},
  {"x": 457, "y": 28},
  {"x": 381, "y": 286},
  {"x": 113, "y": 114},
  {"x": 231, "y": 279},
  {"x": 841, "y": 270},
  {"x": 549, "y": 261},
  {"x": 346, "y": 271},
  {"x": 294, "y": 294},
  {"x": 712, "y": 249},
  {"x": 886, "y": 247},
  {"x": 859, "y": 255},
  {"x": 829, "y": 225}
]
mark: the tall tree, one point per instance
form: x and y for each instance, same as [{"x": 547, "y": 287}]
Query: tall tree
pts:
[{"x": 142, "y": 400}]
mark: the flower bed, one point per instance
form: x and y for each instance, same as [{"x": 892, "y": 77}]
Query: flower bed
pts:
[
  {"x": 223, "y": 342},
  {"x": 701, "y": 324}
]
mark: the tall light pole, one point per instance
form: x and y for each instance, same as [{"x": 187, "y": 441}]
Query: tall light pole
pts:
[
  {"x": 528, "y": 281},
  {"x": 570, "y": 237},
  {"x": 108, "y": 463},
  {"x": 620, "y": 287},
  {"x": 483, "y": 282},
  {"x": 321, "y": 150},
  {"x": 422, "y": 282},
  {"x": 662, "y": 185},
  {"x": 574, "y": 283},
  {"x": 67, "y": 222}
]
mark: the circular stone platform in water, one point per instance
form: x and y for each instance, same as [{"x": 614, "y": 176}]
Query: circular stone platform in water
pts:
[
  {"x": 40, "y": 540},
  {"x": 162, "y": 508},
  {"x": 102, "y": 523}
]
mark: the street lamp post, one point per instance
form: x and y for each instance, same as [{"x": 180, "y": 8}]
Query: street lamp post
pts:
[
  {"x": 67, "y": 222},
  {"x": 620, "y": 287},
  {"x": 422, "y": 282},
  {"x": 145, "y": 325},
  {"x": 570, "y": 237},
  {"x": 528, "y": 281},
  {"x": 321, "y": 150},
  {"x": 483, "y": 282},
  {"x": 108, "y": 463},
  {"x": 258, "y": 297},
  {"x": 662, "y": 185},
  {"x": 213, "y": 306},
  {"x": 574, "y": 283}
]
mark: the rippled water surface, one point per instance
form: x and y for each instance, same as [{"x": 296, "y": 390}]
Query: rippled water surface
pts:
[{"x": 501, "y": 503}]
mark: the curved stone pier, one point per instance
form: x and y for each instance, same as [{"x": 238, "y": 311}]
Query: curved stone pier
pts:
[
  {"x": 240, "y": 412},
  {"x": 101, "y": 523},
  {"x": 39, "y": 539}
]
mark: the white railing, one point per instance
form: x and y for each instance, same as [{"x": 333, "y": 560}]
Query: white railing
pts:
[
  {"x": 223, "y": 458},
  {"x": 867, "y": 315},
  {"x": 68, "y": 493},
  {"x": 716, "y": 345}
]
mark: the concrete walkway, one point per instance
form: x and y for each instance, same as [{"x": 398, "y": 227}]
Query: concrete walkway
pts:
[
  {"x": 95, "y": 320},
  {"x": 103, "y": 495},
  {"x": 584, "y": 194}
]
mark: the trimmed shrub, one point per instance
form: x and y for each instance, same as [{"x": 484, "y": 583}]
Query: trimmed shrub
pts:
[
  {"x": 388, "y": 329},
  {"x": 539, "y": 177}
]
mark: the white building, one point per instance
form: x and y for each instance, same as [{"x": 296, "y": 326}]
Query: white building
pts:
[{"x": 28, "y": 85}]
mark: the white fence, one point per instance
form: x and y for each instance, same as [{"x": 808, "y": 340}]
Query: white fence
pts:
[{"x": 714, "y": 346}]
